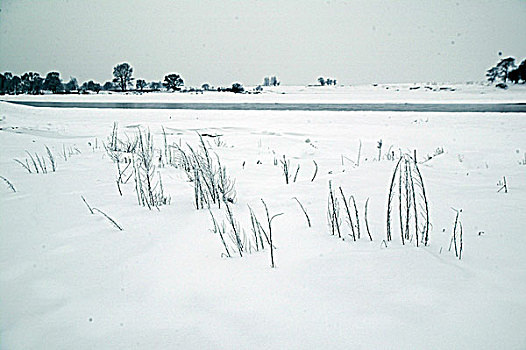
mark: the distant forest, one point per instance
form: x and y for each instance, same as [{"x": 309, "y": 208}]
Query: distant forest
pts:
[{"x": 504, "y": 72}]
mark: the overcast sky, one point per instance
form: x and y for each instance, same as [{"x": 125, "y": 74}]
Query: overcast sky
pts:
[{"x": 355, "y": 41}]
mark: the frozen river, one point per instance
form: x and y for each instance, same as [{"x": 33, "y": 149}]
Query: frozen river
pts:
[{"x": 374, "y": 107}]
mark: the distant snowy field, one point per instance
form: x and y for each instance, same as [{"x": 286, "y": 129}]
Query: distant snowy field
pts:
[
  {"x": 71, "y": 280},
  {"x": 383, "y": 93}
]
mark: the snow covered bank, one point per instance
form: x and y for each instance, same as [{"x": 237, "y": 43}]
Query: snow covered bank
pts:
[
  {"x": 70, "y": 279},
  {"x": 392, "y": 93}
]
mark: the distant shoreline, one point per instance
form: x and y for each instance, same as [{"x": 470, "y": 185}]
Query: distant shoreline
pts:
[{"x": 241, "y": 106}]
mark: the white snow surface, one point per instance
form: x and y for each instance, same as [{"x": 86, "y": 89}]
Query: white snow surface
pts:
[
  {"x": 382, "y": 93},
  {"x": 69, "y": 279}
]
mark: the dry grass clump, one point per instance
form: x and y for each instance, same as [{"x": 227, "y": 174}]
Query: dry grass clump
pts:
[
  {"x": 235, "y": 238},
  {"x": 352, "y": 217},
  {"x": 211, "y": 182},
  {"x": 37, "y": 164},
  {"x": 138, "y": 154},
  {"x": 407, "y": 186}
]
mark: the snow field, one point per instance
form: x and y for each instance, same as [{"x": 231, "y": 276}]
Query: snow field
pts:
[{"x": 70, "y": 279}]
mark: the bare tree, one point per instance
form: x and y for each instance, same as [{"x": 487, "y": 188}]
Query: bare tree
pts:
[{"x": 122, "y": 75}]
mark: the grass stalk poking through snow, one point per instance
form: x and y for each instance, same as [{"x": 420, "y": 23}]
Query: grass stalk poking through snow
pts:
[
  {"x": 257, "y": 231},
  {"x": 349, "y": 217},
  {"x": 212, "y": 184},
  {"x": 333, "y": 212},
  {"x": 234, "y": 238},
  {"x": 150, "y": 192},
  {"x": 285, "y": 166},
  {"x": 236, "y": 230},
  {"x": 359, "y": 153},
  {"x": 412, "y": 202},
  {"x": 457, "y": 235},
  {"x": 390, "y": 200},
  {"x": 93, "y": 210},
  {"x": 504, "y": 185},
  {"x": 109, "y": 218},
  {"x": 51, "y": 159},
  {"x": 315, "y": 171},
  {"x": 38, "y": 162},
  {"x": 34, "y": 162},
  {"x": 24, "y": 165},
  {"x": 85, "y": 202},
  {"x": 221, "y": 230},
  {"x": 269, "y": 221},
  {"x": 304, "y": 211},
  {"x": 296, "y": 174},
  {"x": 367, "y": 221},
  {"x": 357, "y": 217},
  {"x": 9, "y": 184}
]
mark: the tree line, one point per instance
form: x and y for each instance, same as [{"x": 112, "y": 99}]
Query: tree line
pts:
[
  {"x": 507, "y": 71},
  {"x": 123, "y": 80},
  {"x": 33, "y": 83}
]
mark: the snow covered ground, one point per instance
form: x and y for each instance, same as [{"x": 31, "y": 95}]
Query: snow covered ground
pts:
[
  {"x": 69, "y": 279},
  {"x": 382, "y": 93}
]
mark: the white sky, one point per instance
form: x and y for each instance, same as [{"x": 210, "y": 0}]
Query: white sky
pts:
[{"x": 355, "y": 41}]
